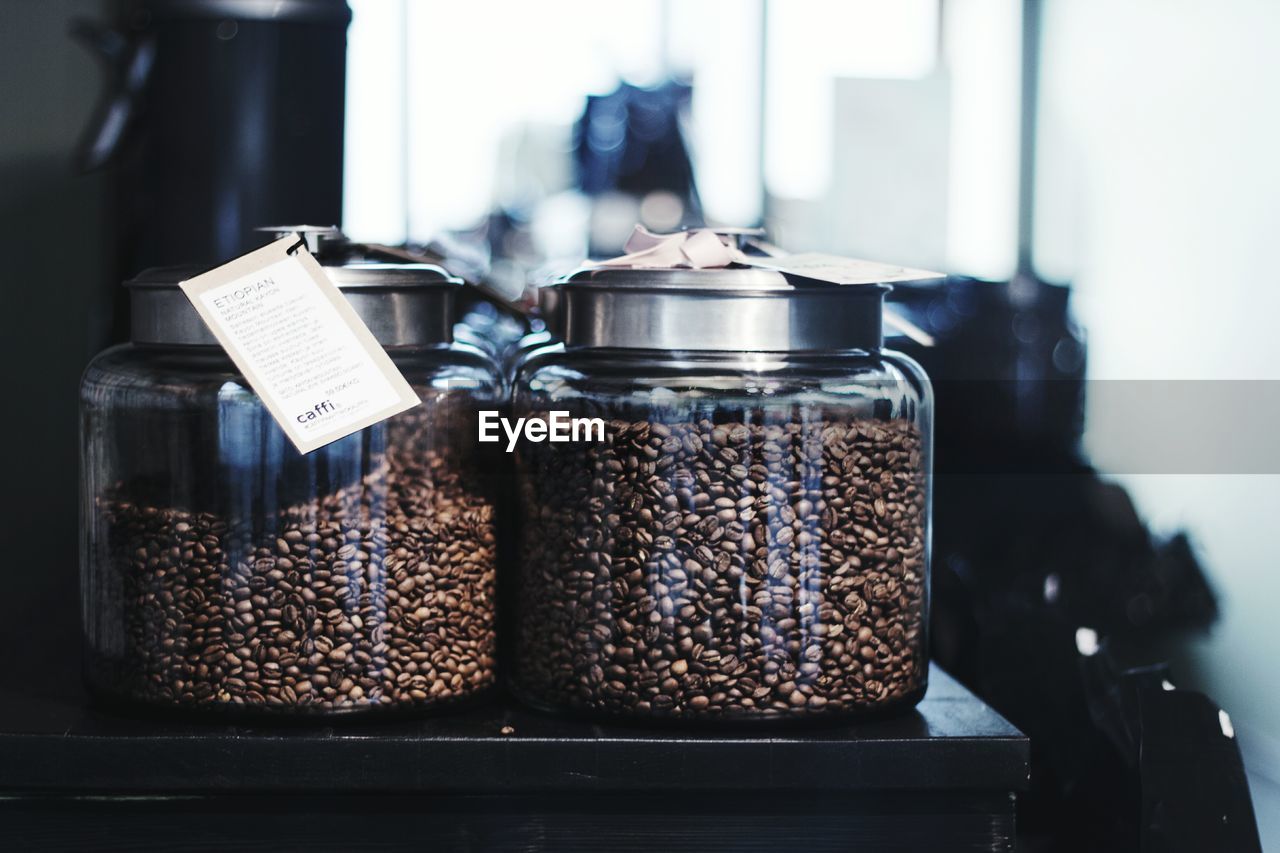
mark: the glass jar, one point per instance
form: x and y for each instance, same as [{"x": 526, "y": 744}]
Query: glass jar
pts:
[
  {"x": 222, "y": 569},
  {"x": 750, "y": 540}
]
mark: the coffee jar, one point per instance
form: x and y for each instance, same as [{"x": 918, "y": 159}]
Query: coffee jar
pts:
[
  {"x": 749, "y": 539},
  {"x": 223, "y": 570}
]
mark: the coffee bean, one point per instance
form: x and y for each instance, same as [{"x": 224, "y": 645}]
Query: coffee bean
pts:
[
  {"x": 763, "y": 570},
  {"x": 358, "y": 599}
]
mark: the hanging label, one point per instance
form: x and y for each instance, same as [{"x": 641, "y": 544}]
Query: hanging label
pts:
[
  {"x": 299, "y": 344},
  {"x": 839, "y": 270}
]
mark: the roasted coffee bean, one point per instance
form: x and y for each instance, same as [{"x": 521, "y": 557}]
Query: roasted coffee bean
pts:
[
  {"x": 378, "y": 595},
  {"x": 725, "y": 568}
]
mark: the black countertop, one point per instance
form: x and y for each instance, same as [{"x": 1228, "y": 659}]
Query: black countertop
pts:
[{"x": 951, "y": 742}]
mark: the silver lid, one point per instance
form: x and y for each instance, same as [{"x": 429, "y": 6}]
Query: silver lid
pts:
[
  {"x": 735, "y": 309},
  {"x": 404, "y": 305}
]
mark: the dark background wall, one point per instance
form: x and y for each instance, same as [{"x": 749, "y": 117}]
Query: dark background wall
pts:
[{"x": 54, "y": 242}]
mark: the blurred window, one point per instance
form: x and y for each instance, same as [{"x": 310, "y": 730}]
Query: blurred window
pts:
[
  {"x": 810, "y": 44},
  {"x": 455, "y": 110}
]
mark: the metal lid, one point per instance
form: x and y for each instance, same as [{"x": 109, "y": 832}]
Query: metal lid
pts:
[
  {"x": 735, "y": 309},
  {"x": 404, "y": 305}
]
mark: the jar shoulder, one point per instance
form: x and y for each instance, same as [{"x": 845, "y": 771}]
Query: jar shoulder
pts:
[
  {"x": 558, "y": 370},
  {"x": 183, "y": 370},
  {"x": 129, "y": 370}
]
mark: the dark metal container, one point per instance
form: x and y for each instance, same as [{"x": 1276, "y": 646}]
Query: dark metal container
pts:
[{"x": 218, "y": 115}]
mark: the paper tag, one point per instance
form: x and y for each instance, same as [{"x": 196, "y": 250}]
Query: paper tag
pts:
[
  {"x": 838, "y": 270},
  {"x": 704, "y": 248},
  {"x": 304, "y": 350}
]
